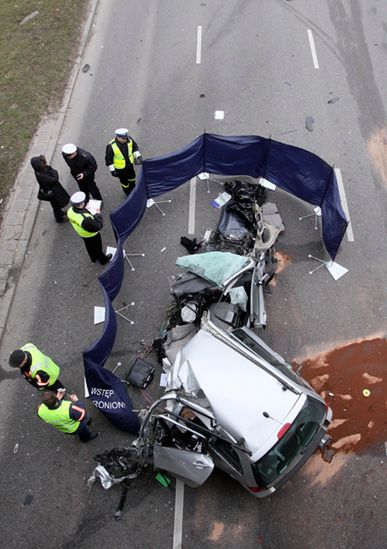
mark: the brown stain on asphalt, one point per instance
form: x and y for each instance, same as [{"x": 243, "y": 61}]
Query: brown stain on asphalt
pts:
[
  {"x": 352, "y": 378},
  {"x": 283, "y": 261},
  {"x": 217, "y": 531},
  {"x": 319, "y": 472},
  {"x": 377, "y": 149}
]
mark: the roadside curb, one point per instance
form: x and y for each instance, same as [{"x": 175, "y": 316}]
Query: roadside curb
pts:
[{"x": 22, "y": 207}]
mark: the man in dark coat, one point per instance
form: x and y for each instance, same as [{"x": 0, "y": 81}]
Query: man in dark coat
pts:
[
  {"x": 121, "y": 155},
  {"x": 87, "y": 226},
  {"x": 48, "y": 181},
  {"x": 83, "y": 166}
]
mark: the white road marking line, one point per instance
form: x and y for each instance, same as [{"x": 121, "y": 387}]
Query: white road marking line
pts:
[
  {"x": 313, "y": 49},
  {"x": 199, "y": 45},
  {"x": 178, "y": 524},
  {"x": 192, "y": 206},
  {"x": 344, "y": 204}
]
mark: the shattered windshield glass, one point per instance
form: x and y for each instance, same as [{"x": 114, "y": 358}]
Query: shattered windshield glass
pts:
[{"x": 217, "y": 267}]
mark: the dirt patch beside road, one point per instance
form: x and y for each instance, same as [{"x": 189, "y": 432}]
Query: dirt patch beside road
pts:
[{"x": 38, "y": 43}]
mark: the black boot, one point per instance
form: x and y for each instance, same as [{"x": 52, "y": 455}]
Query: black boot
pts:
[{"x": 105, "y": 259}]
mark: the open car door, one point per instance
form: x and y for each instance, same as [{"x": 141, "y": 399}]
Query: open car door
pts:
[{"x": 192, "y": 466}]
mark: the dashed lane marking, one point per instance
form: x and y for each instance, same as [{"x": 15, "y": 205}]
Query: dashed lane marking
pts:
[
  {"x": 199, "y": 45},
  {"x": 313, "y": 49}
]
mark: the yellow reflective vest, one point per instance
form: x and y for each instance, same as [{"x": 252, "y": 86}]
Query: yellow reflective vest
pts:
[
  {"x": 59, "y": 417},
  {"x": 41, "y": 362},
  {"x": 118, "y": 158},
  {"x": 76, "y": 219}
]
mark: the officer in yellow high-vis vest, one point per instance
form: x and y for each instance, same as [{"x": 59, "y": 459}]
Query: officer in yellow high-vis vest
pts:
[
  {"x": 69, "y": 417},
  {"x": 121, "y": 155},
  {"x": 36, "y": 368},
  {"x": 87, "y": 226}
]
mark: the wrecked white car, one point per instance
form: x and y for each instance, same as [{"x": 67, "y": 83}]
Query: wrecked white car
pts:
[
  {"x": 230, "y": 401},
  {"x": 233, "y": 403}
]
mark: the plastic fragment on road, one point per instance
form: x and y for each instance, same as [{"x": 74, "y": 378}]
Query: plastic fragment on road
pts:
[
  {"x": 309, "y": 121},
  {"x": 163, "y": 480}
]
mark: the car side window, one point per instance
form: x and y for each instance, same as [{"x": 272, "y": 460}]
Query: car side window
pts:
[{"x": 227, "y": 453}]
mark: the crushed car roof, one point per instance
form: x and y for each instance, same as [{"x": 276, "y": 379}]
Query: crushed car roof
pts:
[{"x": 238, "y": 390}]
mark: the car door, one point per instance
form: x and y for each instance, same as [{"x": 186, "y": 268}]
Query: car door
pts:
[{"x": 193, "y": 467}]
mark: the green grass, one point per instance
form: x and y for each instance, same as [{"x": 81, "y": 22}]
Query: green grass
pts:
[{"x": 35, "y": 59}]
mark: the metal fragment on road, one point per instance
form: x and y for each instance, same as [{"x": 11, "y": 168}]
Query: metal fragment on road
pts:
[
  {"x": 333, "y": 100},
  {"x": 309, "y": 121},
  {"x": 16, "y": 448}
]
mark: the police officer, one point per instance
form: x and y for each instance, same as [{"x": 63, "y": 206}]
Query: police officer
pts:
[
  {"x": 121, "y": 155},
  {"x": 83, "y": 166},
  {"x": 36, "y": 368},
  {"x": 87, "y": 226},
  {"x": 68, "y": 417}
]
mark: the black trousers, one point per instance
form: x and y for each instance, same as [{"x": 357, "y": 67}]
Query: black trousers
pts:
[
  {"x": 58, "y": 213},
  {"x": 89, "y": 187},
  {"x": 94, "y": 248},
  {"x": 127, "y": 178},
  {"x": 55, "y": 386},
  {"x": 83, "y": 431}
]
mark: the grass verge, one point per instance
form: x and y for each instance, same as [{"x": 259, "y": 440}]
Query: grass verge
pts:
[{"x": 38, "y": 42}]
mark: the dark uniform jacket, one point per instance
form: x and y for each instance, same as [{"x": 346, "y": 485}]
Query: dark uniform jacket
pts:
[
  {"x": 41, "y": 379},
  {"x": 49, "y": 181},
  {"x": 109, "y": 155},
  {"x": 90, "y": 224},
  {"x": 84, "y": 163}
]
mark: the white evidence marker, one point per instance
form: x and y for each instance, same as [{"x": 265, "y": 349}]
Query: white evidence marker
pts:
[
  {"x": 87, "y": 394},
  {"x": 219, "y": 115},
  {"x": 99, "y": 314},
  {"x": 313, "y": 49}
]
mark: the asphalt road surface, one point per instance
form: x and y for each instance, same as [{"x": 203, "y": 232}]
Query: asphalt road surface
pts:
[{"x": 268, "y": 66}]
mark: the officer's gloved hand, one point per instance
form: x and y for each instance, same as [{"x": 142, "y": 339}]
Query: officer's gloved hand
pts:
[
  {"x": 138, "y": 159},
  {"x": 114, "y": 173}
]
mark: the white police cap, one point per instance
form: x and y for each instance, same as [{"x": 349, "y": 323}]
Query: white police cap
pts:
[
  {"x": 78, "y": 198},
  {"x": 122, "y": 132},
  {"x": 69, "y": 148}
]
